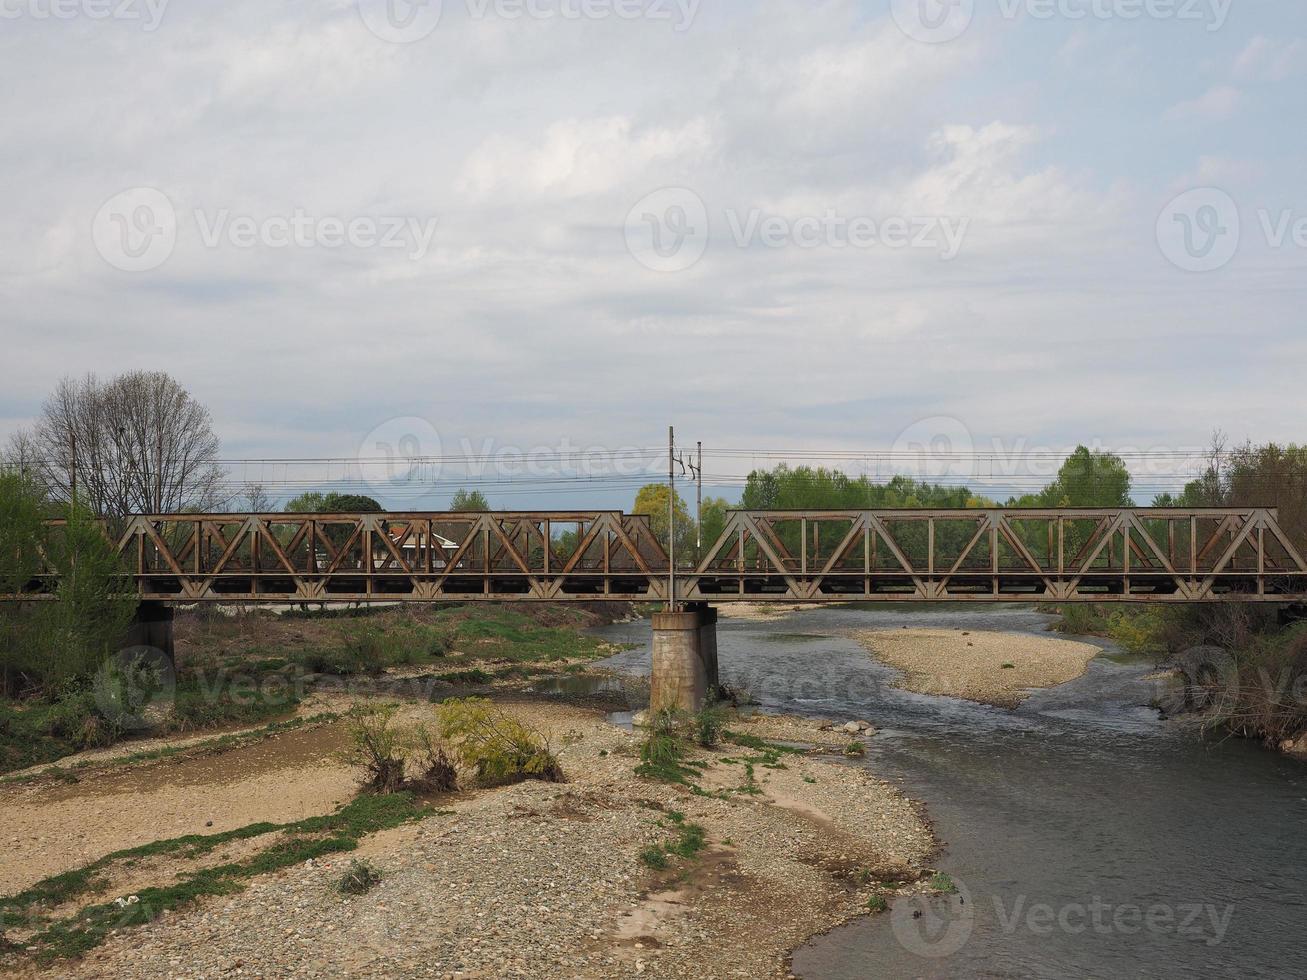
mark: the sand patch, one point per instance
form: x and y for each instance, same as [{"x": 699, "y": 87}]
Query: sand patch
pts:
[{"x": 990, "y": 667}]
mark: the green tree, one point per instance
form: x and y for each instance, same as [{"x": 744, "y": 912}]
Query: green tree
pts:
[
  {"x": 469, "y": 502},
  {"x": 651, "y": 501},
  {"x": 47, "y": 646},
  {"x": 715, "y": 513},
  {"x": 316, "y": 502},
  {"x": 1085, "y": 479}
]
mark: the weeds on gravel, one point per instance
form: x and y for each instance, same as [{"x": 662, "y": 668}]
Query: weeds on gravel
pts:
[
  {"x": 690, "y": 840},
  {"x": 855, "y": 750},
  {"x": 942, "y": 882},
  {"x": 376, "y": 746},
  {"x": 663, "y": 751},
  {"x": 498, "y": 747},
  {"x": 302, "y": 841},
  {"x": 654, "y": 857},
  {"x": 385, "y": 753},
  {"x": 708, "y": 726},
  {"x": 361, "y": 878},
  {"x": 747, "y": 741},
  {"x": 877, "y": 903}
]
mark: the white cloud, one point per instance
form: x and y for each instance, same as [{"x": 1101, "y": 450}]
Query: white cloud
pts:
[
  {"x": 1214, "y": 105},
  {"x": 1269, "y": 60},
  {"x": 577, "y": 157},
  {"x": 530, "y": 141}
]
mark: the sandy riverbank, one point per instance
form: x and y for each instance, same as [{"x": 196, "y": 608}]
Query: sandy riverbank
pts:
[
  {"x": 989, "y": 667},
  {"x": 525, "y": 881}
]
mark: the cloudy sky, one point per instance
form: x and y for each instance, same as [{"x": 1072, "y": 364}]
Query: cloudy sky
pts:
[{"x": 779, "y": 224}]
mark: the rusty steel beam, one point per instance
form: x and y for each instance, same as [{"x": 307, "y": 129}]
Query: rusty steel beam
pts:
[{"x": 990, "y": 555}]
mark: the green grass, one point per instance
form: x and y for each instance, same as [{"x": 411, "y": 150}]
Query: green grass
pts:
[
  {"x": 691, "y": 838},
  {"x": 654, "y": 857},
  {"x": 37, "y": 732},
  {"x": 303, "y": 840},
  {"x": 759, "y": 745},
  {"x": 877, "y": 903},
  {"x": 222, "y": 743},
  {"x": 942, "y": 882}
]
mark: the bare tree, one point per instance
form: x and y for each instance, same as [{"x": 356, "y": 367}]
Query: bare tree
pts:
[
  {"x": 257, "y": 500},
  {"x": 138, "y": 444},
  {"x": 22, "y": 455}
]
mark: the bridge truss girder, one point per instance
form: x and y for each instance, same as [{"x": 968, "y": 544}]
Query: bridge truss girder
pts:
[{"x": 990, "y": 555}]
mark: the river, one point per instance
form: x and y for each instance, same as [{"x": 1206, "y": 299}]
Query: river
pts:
[{"x": 1086, "y": 837}]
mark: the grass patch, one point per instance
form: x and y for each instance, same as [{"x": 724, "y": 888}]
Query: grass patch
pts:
[
  {"x": 877, "y": 903},
  {"x": 943, "y": 883},
  {"x": 654, "y": 857},
  {"x": 43, "y": 731},
  {"x": 361, "y": 878},
  {"x": 690, "y": 839},
  {"x": 744, "y": 740},
  {"x": 303, "y": 840}
]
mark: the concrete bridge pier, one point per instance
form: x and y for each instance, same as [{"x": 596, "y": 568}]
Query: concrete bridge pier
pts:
[
  {"x": 152, "y": 627},
  {"x": 684, "y": 672}
]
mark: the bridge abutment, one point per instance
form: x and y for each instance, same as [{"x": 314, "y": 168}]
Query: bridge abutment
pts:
[
  {"x": 152, "y": 627},
  {"x": 684, "y": 673}
]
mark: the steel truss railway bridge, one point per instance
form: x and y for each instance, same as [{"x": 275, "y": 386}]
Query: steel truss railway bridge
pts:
[
  {"x": 990, "y": 555},
  {"x": 996, "y": 555}
]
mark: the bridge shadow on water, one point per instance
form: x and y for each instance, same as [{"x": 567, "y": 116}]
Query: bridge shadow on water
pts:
[{"x": 1087, "y": 837}]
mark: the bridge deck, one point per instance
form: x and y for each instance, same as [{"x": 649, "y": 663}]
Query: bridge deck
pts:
[{"x": 1110, "y": 555}]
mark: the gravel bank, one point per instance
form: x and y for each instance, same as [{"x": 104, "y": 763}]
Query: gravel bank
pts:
[
  {"x": 543, "y": 880},
  {"x": 992, "y": 668}
]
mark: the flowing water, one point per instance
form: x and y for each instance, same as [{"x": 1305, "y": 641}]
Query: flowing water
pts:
[{"x": 1086, "y": 837}]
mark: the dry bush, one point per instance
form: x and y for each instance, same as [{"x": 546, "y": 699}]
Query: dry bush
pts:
[
  {"x": 387, "y": 753},
  {"x": 376, "y": 746},
  {"x": 496, "y": 746}
]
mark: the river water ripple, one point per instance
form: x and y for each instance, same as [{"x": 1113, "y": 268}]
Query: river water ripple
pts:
[{"x": 1087, "y": 837}]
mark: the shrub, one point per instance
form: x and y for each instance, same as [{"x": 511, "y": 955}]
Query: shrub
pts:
[
  {"x": 708, "y": 725},
  {"x": 855, "y": 750},
  {"x": 377, "y": 746},
  {"x": 436, "y": 765},
  {"x": 654, "y": 857},
  {"x": 361, "y": 878},
  {"x": 499, "y": 748},
  {"x": 877, "y": 903}
]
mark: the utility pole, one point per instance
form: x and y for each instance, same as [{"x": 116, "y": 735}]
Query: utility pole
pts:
[
  {"x": 158, "y": 474},
  {"x": 671, "y": 518},
  {"x": 698, "y": 508},
  {"x": 72, "y": 468}
]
